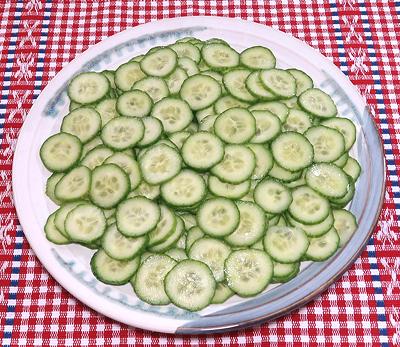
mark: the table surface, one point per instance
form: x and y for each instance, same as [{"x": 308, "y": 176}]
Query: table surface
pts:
[{"x": 38, "y": 38}]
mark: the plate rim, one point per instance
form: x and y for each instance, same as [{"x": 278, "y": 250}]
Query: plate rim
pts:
[{"x": 182, "y": 22}]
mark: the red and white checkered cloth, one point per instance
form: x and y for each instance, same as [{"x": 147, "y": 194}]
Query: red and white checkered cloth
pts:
[{"x": 37, "y": 38}]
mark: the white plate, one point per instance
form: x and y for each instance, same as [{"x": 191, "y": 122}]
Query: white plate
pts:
[{"x": 69, "y": 265}]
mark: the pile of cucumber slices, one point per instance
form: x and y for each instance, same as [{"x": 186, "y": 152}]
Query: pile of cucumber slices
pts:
[{"x": 197, "y": 172}]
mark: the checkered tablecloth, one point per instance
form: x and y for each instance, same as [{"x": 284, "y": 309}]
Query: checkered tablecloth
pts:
[{"x": 38, "y": 38}]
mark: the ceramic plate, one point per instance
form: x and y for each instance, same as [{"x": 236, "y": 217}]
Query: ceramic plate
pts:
[{"x": 69, "y": 265}]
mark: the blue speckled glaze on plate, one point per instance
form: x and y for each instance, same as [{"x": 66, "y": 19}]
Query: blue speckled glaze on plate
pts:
[{"x": 69, "y": 264}]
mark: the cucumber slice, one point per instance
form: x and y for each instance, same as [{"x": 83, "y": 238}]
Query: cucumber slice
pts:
[
  {"x": 292, "y": 151},
  {"x": 257, "y": 89},
  {"x": 111, "y": 271},
  {"x": 74, "y": 185},
  {"x": 109, "y": 185},
  {"x": 176, "y": 79},
  {"x": 285, "y": 244},
  {"x": 236, "y": 166},
  {"x": 291, "y": 103},
  {"x": 235, "y": 83},
  {"x": 60, "y": 152},
  {"x": 236, "y": 126},
  {"x": 342, "y": 160},
  {"x": 268, "y": 126},
  {"x": 213, "y": 253},
  {"x": 154, "y": 87},
  {"x": 222, "y": 293},
  {"x": 219, "y": 56},
  {"x": 190, "y": 285},
  {"x": 73, "y": 105},
  {"x": 192, "y": 128},
  {"x": 188, "y": 38},
  {"x": 279, "y": 173},
  {"x": 279, "y": 82},
  {"x": 328, "y": 180},
  {"x": 272, "y": 196},
  {"x": 137, "y": 216},
  {"x": 127, "y": 75},
  {"x": 248, "y": 271},
  {"x": 328, "y": 143},
  {"x": 346, "y": 127},
  {"x": 174, "y": 114},
  {"x": 227, "y": 190},
  {"x": 282, "y": 221},
  {"x": 275, "y": 107},
  {"x": 148, "y": 191},
  {"x": 87, "y": 147},
  {"x": 171, "y": 240},
  {"x": 109, "y": 213},
  {"x": 107, "y": 110},
  {"x": 193, "y": 234},
  {"x": 345, "y": 224},
  {"x": 258, "y": 58},
  {"x": 285, "y": 272},
  {"x": 202, "y": 150},
  {"x": 303, "y": 81},
  {"x": 178, "y": 254},
  {"x": 258, "y": 245},
  {"x": 85, "y": 223},
  {"x": 187, "y": 50},
  {"x": 298, "y": 121},
  {"x": 185, "y": 189},
  {"x": 297, "y": 182},
  {"x": 274, "y": 219},
  {"x": 209, "y": 111},
  {"x": 51, "y": 186},
  {"x": 216, "y": 40},
  {"x": 110, "y": 76},
  {"x": 323, "y": 247},
  {"x": 129, "y": 165},
  {"x": 120, "y": 247},
  {"x": 308, "y": 207},
  {"x": 159, "y": 63},
  {"x": 217, "y": 76},
  {"x": 264, "y": 161},
  {"x": 134, "y": 103},
  {"x": 218, "y": 217},
  {"x": 83, "y": 122},
  {"x": 149, "y": 280},
  {"x": 313, "y": 230},
  {"x": 96, "y": 157},
  {"x": 251, "y": 226},
  {"x": 318, "y": 103},
  {"x": 189, "y": 66},
  {"x": 207, "y": 124},
  {"x": 352, "y": 168},
  {"x": 188, "y": 219},
  {"x": 122, "y": 132},
  {"x": 344, "y": 200},
  {"x": 53, "y": 234},
  {"x": 61, "y": 215},
  {"x": 153, "y": 130},
  {"x": 227, "y": 102},
  {"x": 159, "y": 164},
  {"x": 179, "y": 138},
  {"x": 180, "y": 245},
  {"x": 164, "y": 228},
  {"x": 88, "y": 87},
  {"x": 200, "y": 91}
]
